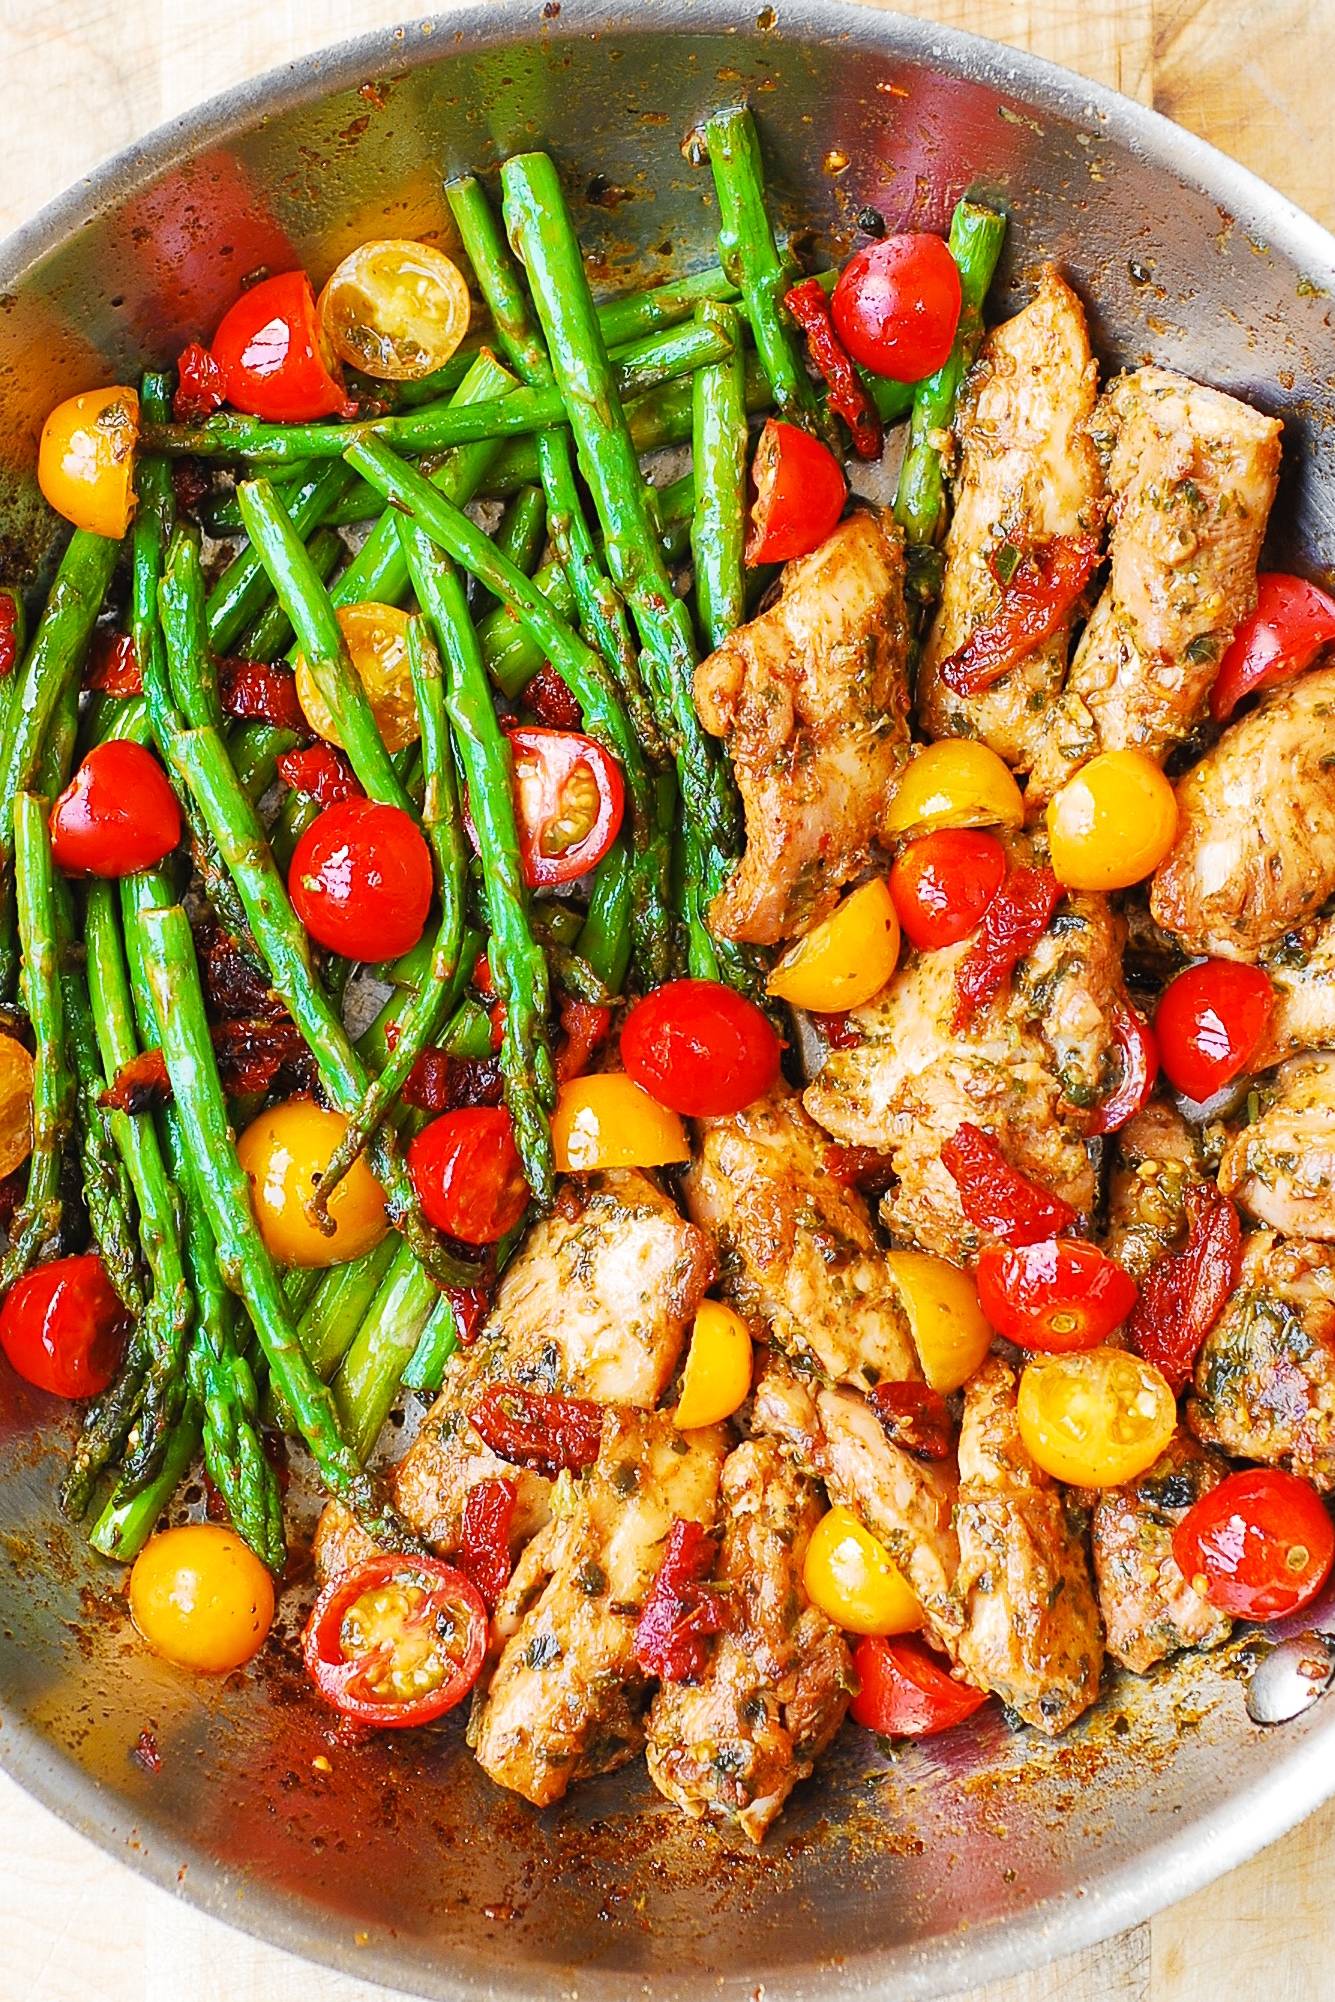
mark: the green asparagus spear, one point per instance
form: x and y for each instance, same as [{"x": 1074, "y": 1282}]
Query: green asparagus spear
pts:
[
  {"x": 370, "y": 1373},
  {"x": 436, "y": 1344},
  {"x": 271, "y": 634},
  {"x": 36, "y": 1225},
  {"x": 339, "y": 1306},
  {"x": 719, "y": 480},
  {"x": 243, "y": 591},
  {"x": 124, "y": 1527}
]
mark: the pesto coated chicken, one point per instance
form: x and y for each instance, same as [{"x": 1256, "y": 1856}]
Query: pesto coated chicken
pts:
[{"x": 1149, "y": 1609}]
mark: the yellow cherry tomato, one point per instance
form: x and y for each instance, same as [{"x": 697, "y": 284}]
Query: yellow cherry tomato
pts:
[
  {"x": 377, "y": 637},
  {"x": 85, "y": 462},
  {"x": 606, "y": 1121},
  {"x": 717, "y": 1375},
  {"x": 956, "y": 783},
  {"x": 846, "y": 958},
  {"x": 1095, "y": 1418},
  {"x": 201, "y": 1597},
  {"x": 15, "y": 1105},
  {"x": 851, "y": 1576},
  {"x": 283, "y": 1152},
  {"x": 948, "y": 1327},
  {"x": 1113, "y": 823},
  {"x": 395, "y": 309}
]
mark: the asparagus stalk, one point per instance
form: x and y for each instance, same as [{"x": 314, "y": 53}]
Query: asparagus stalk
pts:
[
  {"x": 124, "y": 1527},
  {"x": 243, "y": 591},
  {"x": 436, "y": 1344},
  {"x": 370, "y": 1373},
  {"x": 340, "y": 1305},
  {"x": 718, "y": 529},
  {"x": 522, "y": 534},
  {"x": 271, "y": 633},
  {"x": 181, "y": 602}
]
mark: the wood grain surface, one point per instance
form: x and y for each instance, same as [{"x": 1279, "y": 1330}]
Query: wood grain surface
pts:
[{"x": 85, "y": 77}]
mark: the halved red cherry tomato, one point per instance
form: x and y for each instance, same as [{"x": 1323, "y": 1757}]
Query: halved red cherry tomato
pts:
[
  {"x": 700, "y": 1048},
  {"x": 118, "y": 814},
  {"x": 397, "y": 1642},
  {"x": 1292, "y": 621},
  {"x": 467, "y": 1173},
  {"x": 896, "y": 305},
  {"x": 1259, "y": 1546},
  {"x": 1138, "y": 1052},
  {"x": 1209, "y": 1024},
  {"x": 943, "y": 882},
  {"x": 906, "y": 1692},
  {"x": 269, "y": 355},
  {"x": 800, "y": 494},
  {"x": 360, "y": 880},
  {"x": 1055, "y": 1295},
  {"x": 569, "y": 801},
  {"x": 63, "y": 1328}
]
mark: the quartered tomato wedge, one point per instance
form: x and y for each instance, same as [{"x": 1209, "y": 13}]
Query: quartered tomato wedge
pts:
[
  {"x": 800, "y": 494},
  {"x": 1259, "y": 1546},
  {"x": 1209, "y": 1024},
  {"x": 700, "y": 1048},
  {"x": 270, "y": 358},
  {"x": 569, "y": 801},
  {"x": 1055, "y": 1295},
  {"x": 943, "y": 882},
  {"x": 905, "y": 1690},
  {"x": 1292, "y": 621},
  {"x": 397, "y": 1642}
]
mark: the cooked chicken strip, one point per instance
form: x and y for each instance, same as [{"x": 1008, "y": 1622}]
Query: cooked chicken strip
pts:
[
  {"x": 1301, "y": 967},
  {"x": 783, "y": 1408},
  {"x": 564, "y": 1700},
  {"x": 1281, "y": 1167},
  {"x": 734, "y": 1745},
  {"x": 595, "y": 1304},
  {"x": 1265, "y": 1379},
  {"x": 1028, "y": 472},
  {"x": 1031, "y": 1626},
  {"x": 1149, "y": 1609},
  {"x": 797, "y": 1254},
  {"x": 1192, "y": 473},
  {"x": 1157, "y": 1160},
  {"x": 1255, "y": 850},
  {"x": 812, "y": 698}
]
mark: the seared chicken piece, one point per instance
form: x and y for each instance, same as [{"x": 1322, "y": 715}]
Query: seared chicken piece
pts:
[
  {"x": 1302, "y": 972},
  {"x": 1265, "y": 1379},
  {"x": 912, "y": 1080},
  {"x": 1156, "y": 1162},
  {"x": 565, "y": 1698},
  {"x": 1192, "y": 474},
  {"x": 1280, "y": 1169},
  {"x": 734, "y": 1745},
  {"x": 595, "y": 1304},
  {"x": 1031, "y": 1627},
  {"x": 812, "y": 698},
  {"x": 783, "y": 1408},
  {"x": 1255, "y": 850},
  {"x": 797, "y": 1254},
  {"x": 1149, "y": 1609},
  {"x": 1028, "y": 472}
]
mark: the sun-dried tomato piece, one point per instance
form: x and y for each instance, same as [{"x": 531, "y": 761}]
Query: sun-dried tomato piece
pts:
[
  {"x": 320, "y": 772},
  {"x": 141, "y": 1085},
  {"x": 551, "y": 701},
  {"x": 484, "y": 1548},
  {"x": 915, "y": 1417},
  {"x": 838, "y": 1031},
  {"x": 1184, "y": 1292},
  {"x": 471, "y": 1305},
  {"x": 252, "y": 1052},
  {"x": 256, "y": 691},
  {"x": 1011, "y": 926},
  {"x": 191, "y": 481},
  {"x": 1037, "y": 596},
  {"x": 680, "y": 1611},
  {"x": 199, "y": 385},
  {"x": 233, "y": 983},
  {"x": 9, "y": 633},
  {"x": 113, "y": 665},
  {"x": 998, "y": 1199},
  {"x": 810, "y": 307},
  {"x": 537, "y": 1428},
  {"x": 587, "y": 1027},
  {"x": 439, "y": 1082},
  {"x": 864, "y": 1168}
]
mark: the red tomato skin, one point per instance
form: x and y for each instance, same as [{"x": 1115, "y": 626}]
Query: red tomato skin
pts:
[
  {"x": 268, "y": 354},
  {"x": 360, "y": 880},
  {"x": 1241, "y": 1536},
  {"x": 63, "y": 1327},
  {"x": 942, "y": 883},
  {"x": 1209, "y": 1024},
  {"x": 118, "y": 814},
  {"x": 700, "y": 1048},
  {"x": 1291, "y": 623},
  {"x": 336, "y": 1677},
  {"x": 1139, "y": 1050},
  {"x": 543, "y": 762},
  {"x": 896, "y": 305},
  {"x": 904, "y": 1692},
  {"x": 467, "y": 1174},
  {"x": 1053, "y": 1296},
  {"x": 800, "y": 494}
]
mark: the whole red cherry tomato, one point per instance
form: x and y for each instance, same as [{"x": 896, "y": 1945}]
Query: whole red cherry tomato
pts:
[
  {"x": 399, "y": 1641},
  {"x": 906, "y": 1692},
  {"x": 897, "y": 304},
  {"x": 569, "y": 801},
  {"x": 1292, "y": 621},
  {"x": 63, "y": 1328},
  {"x": 1260, "y": 1545},
  {"x": 800, "y": 494},
  {"x": 1209, "y": 1024},
  {"x": 1055, "y": 1295},
  {"x": 942, "y": 884},
  {"x": 117, "y": 815},
  {"x": 360, "y": 880},
  {"x": 467, "y": 1174},
  {"x": 700, "y": 1048},
  {"x": 269, "y": 356}
]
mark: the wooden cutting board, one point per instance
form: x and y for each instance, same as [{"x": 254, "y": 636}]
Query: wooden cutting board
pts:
[{"x": 84, "y": 78}]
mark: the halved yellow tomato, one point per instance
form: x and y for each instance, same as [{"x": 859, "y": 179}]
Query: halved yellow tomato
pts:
[
  {"x": 1112, "y": 823},
  {"x": 395, "y": 309},
  {"x": 283, "y": 1151},
  {"x": 1095, "y": 1417},
  {"x": 377, "y": 639},
  {"x": 853, "y": 1579},
  {"x": 606, "y": 1121},
  {"x": 15, "y": 1104},
  {"x": 717, "y": 1375},
  {"x": 956, "y": 783},
  {"x": 949, "y": 1328},
  {"x": 85, "y": 462},
  {"x": 846, "y": 958}
]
